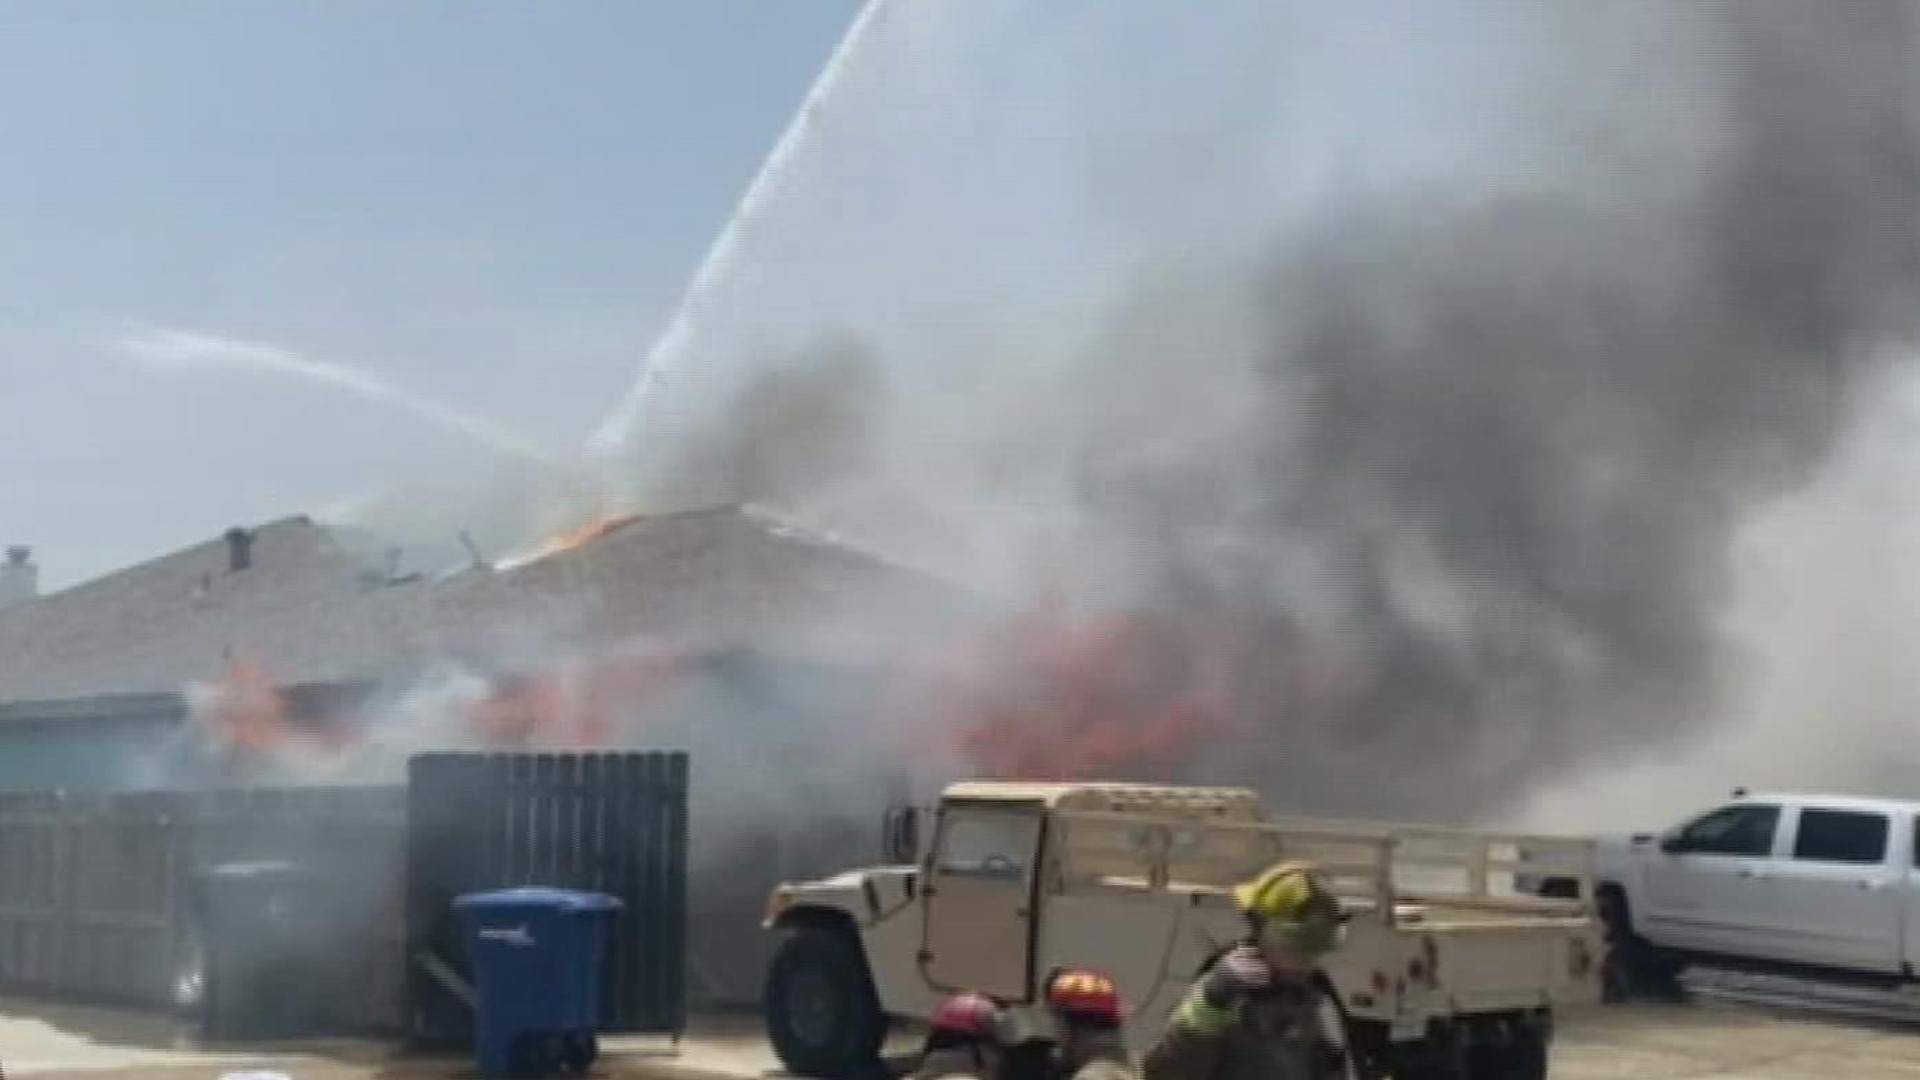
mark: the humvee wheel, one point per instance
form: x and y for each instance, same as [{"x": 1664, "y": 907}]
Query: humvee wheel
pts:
[{"x": 823, "y": 1016}]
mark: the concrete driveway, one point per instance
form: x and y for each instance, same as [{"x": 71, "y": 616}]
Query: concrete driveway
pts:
[
  {"x": 74, "y": 1042},
  {"x": 1679, "y": 1042},
  {"x": 1730, "y": 1042}
]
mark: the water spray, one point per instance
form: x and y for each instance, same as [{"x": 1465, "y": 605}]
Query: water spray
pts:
[
  {"x": 186, "y": 350},
  {"x": 619, "y": 427}
]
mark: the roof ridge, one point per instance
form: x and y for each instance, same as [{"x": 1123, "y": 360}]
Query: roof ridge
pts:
[{"x": 121, "y": 573}]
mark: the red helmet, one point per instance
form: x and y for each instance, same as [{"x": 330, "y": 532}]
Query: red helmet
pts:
[
  {"x": 968, "y": 1014},
  {"x": 1079, "y": 993}
]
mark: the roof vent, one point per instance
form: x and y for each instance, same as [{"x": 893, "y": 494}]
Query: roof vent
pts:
[
  {"x": 19, "y": 578},
  {"x": 473, "y": 551},
  {"x": 395, "y": 574},
  {"x": 391, "y": 574},
  {"x": 239, "y": 549}
]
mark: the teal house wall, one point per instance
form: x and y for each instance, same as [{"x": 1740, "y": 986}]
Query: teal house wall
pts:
[{"x": 118, "y": 743}]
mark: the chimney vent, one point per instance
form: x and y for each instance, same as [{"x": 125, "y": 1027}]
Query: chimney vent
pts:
[
  {"x": 19, "y": 577},
  {"x": 239, "y": 549}
]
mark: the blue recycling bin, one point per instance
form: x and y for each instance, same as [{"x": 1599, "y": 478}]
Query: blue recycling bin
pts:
[{"x": 537, "y": 957}]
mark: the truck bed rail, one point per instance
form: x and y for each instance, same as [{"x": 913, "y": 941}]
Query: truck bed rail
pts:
[{"x": 1391, "y": 869}]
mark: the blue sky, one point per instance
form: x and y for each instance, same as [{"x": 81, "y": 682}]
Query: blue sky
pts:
[{"x": 494, "y": 205}]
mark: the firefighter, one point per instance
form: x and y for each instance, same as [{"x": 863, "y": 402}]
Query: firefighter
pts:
[
  {"x": 1254, "y": 1012},
  {"x": 968, "y": 1038},
  {"x": 1085, "y": 1008}
]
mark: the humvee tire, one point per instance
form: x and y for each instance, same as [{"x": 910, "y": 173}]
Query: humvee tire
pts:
[{"x": 823, "y": 1016}]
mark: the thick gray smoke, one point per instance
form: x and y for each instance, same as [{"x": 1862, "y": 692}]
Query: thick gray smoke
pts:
[
  {"x": 1523, "y": 431},
  {"x": 1461, "y": 337},
  {"x": 802, "y": 425}
]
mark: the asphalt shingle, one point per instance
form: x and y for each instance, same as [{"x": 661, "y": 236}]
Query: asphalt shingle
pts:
[{"x": 306, "y": 611}]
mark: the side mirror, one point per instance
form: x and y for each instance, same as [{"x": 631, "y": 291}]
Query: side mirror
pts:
[
  {"x": 902, "y": 835},
  {"x": 1673, "y": 845}
]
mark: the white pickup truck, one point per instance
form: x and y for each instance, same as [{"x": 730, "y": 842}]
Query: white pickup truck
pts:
[
  {"x": 1815, "y": 885},
  {"x": 1446, "y": 971}
]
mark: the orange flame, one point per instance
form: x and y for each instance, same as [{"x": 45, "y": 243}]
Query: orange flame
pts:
[
  {"x": 246, "y": 710},
  {"x": 1116, "y": 695},
  {"x": 576, "y": 705},
  {"x": 600, "y": 525},
  {"x": 250, "y": 716},
  {"x": 572, "y": 706}
]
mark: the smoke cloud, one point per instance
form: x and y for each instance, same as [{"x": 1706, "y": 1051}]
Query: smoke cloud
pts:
[
  {"x": 794, "y": 431},
  {"x": 1818, "y": 691},
  {"x": 1463, "y": 339}
]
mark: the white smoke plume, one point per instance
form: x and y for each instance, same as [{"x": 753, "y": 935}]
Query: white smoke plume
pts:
[
  {"x": 782, "y": 749},
  {"x": 1821, "y": 689}
]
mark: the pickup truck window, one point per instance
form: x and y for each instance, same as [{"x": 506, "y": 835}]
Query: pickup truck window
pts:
[
  {"x": 1841, "y": 836},
  {"x": 1744, "y": 831}
]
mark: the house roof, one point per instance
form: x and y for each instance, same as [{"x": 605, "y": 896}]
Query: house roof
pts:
[{"x": 306, "y": 610}]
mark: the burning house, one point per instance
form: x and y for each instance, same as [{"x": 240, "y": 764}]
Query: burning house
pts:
[{"x": 276, "y": 655}]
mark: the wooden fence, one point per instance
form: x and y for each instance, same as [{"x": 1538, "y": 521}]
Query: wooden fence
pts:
[
  {"x": 613, "y": 823},
  {"x": 95, "y": 889}
]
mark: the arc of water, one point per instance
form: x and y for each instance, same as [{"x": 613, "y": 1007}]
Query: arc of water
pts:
[
  {"x": 620, "y": 425},
  {"x": 185, "y": 350}
]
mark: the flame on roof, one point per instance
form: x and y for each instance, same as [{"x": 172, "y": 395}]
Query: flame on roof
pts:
[{"x": 578, "y": 536}]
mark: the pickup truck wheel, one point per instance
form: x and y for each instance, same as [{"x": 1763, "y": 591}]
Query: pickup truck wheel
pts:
[
  {"x": 1650, "y": 973},
  {"x": 1636, "y": 969},
  {"x": 823, "y": 1016}
]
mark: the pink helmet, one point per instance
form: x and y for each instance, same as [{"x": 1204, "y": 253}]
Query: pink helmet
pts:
[{"x": 968, "y": 1013}]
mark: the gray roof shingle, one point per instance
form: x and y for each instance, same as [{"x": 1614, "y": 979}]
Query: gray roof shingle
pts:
[{"x": 730, "y": 575}]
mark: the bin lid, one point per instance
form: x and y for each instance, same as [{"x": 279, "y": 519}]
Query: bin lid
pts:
[{"x": 536, "y": 897}]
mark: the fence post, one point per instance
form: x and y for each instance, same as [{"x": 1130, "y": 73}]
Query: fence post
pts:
[{"x": 64, "y": 894}]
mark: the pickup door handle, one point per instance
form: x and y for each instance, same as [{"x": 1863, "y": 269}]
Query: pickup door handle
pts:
[
  {"x": 1871, "y": 886},
  {"x": 1751, "y": 874}
]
